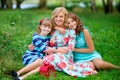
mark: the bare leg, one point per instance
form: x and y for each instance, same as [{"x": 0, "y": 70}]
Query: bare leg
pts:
[
  {"x": 92, "y": 65},
  {"x": 100, "y": 64},
  {"x": 30, "y": 67},
  {"x": 30, "y": 73}
]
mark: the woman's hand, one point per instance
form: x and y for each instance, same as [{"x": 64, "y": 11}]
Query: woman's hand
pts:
[
  {"x": 31, "y": 47},
  {"x": 61, "y": 30}
]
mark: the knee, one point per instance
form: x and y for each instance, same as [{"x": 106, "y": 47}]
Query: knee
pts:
[
  {"x": 98, "y": 64},
  {"x": 92, "y": 65},
  {"x": 38, "y": 61}
]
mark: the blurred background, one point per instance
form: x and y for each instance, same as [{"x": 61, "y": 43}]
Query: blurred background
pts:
[{"x": 108, "y": 6}]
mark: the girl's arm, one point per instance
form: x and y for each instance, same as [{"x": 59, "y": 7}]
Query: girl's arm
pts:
[
  {"x": 38, "y": 43},
  {"x": 65, "y": 49},
  {"x": 89, "y": 43},
  {"x": 59, "y": 50},
  {"x": 61, "y": 30}
]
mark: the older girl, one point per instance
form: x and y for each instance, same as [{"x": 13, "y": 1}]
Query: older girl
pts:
[{"x": 84, "y": 49}]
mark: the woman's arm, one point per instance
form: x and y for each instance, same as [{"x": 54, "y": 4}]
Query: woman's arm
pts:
[
  {"x": 61, "y": 30},
  {"x": 89, "y": 43},
  {"x": 72, "y": 40}
]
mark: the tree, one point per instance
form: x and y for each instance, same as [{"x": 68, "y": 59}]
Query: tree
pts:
[
  {"x": 108, "y": 7},
  {"x": 9, "y": 4},
  {"x": 63, "y": 3},
  {"x": 19, "y": 2},
  {"x": 93, "y": 6},
  {"x": 118, "y": 6},
  {"x": 3, "y": 3},
  {"x": 6, "y": 4},
  {"x": 42, "y": 3}
]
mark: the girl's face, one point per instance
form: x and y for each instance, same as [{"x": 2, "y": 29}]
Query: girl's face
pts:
[
  {"x": 71, "y": 23},
  {"x": 45, "y": 29},
  {"x": 59, "y": 19}
]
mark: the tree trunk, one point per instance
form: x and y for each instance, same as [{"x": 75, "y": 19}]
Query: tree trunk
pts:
[
  {"x": 105, "y": 6},
  {"x": 9, "y": 4},
  {"x": 63, "y": 3},
  {"x": 42, "y": 3},
  {"x": 110, "y": 6},
  {"x": 19, "y": 3},
  {"x": 93, "y": 6},
  {"x": 118, "y": 6},
  {"x": 3, "y": 4}
]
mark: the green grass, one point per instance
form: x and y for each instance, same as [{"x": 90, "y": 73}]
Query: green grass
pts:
[{"x": 17, "y": 27}]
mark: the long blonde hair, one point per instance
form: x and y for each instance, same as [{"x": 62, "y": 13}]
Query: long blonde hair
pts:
[{"x": 56, "y": 11}]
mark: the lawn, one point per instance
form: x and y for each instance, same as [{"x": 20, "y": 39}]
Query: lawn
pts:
[{"x": 17, "y": 27}]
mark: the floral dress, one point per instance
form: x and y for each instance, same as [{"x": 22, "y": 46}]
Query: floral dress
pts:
[{"x": 64, "y": 61}]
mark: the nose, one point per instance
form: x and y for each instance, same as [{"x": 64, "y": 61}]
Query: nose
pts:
[
  {"x": 71, "y": 24},
  {"x": 58, "y": 18},
  {"x": 47, "y": 27}
]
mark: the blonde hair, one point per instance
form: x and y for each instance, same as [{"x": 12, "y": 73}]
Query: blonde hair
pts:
[
  {"x": 45, "y": 22},
  {"x": 56, "y": 11}
]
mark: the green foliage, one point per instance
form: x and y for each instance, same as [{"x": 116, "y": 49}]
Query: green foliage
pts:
[{"x": 17, "y": 27}]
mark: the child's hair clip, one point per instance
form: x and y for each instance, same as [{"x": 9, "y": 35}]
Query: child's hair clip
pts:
[{"x": 40, "y": 21}]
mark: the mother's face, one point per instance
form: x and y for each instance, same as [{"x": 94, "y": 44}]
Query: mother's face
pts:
[{"x": 59, "y": 19}]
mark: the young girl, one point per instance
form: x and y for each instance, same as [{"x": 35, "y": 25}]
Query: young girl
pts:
[
  {"x": 40, "y": 41},
  {"x": 84, "y": 49}
]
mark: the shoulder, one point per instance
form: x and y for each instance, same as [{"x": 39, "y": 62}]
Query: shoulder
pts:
[
  {"x": 86, "y": 31},
  {"x": 34, "y": 34}
]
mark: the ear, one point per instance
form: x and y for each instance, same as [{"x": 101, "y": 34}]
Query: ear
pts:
[{"x": 39, "y": 26}]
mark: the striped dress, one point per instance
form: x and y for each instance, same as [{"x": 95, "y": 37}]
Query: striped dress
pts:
[{"x": 40, "y": 44}]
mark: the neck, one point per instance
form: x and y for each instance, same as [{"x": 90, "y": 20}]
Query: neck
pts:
[
  {"x": 62, "y": 26},
  {"x": 44, "y": 35}
]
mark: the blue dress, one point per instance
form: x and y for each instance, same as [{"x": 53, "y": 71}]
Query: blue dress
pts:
[
  {"x": 40, "y": 44},
  {"x": 83, "y": 57}
]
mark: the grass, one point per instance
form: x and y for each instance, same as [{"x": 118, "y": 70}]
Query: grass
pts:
[{"x": 17, "y": 27}]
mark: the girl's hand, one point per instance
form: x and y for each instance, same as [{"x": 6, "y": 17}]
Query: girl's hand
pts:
[
  {"x": 49, "y": 50},
  {"x": 63, "y": 50},
  {"x": 31, "y": 47},
  {"x": 61, "y": 30}
]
